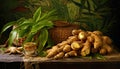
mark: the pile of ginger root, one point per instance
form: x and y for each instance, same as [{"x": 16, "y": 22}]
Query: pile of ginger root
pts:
[{"x": 81, "y": 43}]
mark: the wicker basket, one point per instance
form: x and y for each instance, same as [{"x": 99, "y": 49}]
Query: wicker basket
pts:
[{"x": 61, "y": 31}]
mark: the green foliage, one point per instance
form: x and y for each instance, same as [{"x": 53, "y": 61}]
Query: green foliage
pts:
[
  {"x": 94, "y": 15},
  {"x": 34, "y": 4},
  {"x": 61, "y": 8},
  {"x": 43, "y": 38},
  {"x": 29, "y": 28}
]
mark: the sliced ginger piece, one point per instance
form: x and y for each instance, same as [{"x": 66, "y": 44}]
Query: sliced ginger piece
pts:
[
  {"x": 76, "y": 32},
  {"x": 71, "y": 54},
  {"x": 76, "y": 45}
]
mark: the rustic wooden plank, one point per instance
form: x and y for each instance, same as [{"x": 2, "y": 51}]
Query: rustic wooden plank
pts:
[
  {"x": 10, "y": 58},
  {"x": 18, "y": 58}
]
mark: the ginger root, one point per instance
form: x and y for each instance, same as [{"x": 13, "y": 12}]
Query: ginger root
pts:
[
  {"x": 107, "y": 40},
  {"x": 59, "y": 55},
  {"x": 76, "y": 45},
  {"x": 71, "y": 54},
  {"x": 76, "y": 32},
  {"x": 97, "y": 41},
  {"x": 82, "y": 35},
  {"x": 103, "y": 51},
  {"x": 67, "y": 48},
  {"x": 52, "y": 52},
  {"x": 86, "y": 49},
  {"x": 81, "y": 43},
  {"x": 98, "y": 33},
  {"x": 72, "y": 38}
]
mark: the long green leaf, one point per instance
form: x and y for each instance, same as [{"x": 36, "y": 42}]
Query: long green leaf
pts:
[
  {"x": 20, "y": 21},
  {"x": 35, "y": 29},
  {"x": 42, "y": 39},
  {"x": 12, "y": 36},
  {"x": 47, "y": 15},
  {"x": 88, "y": 6},
  {"x": 44, "y": 23},
  {"x": 29, "y": 37},
  {"x": 8, "y": 25},
  {"x": 81, "y": 5},
  {"x": 24, "y": 32},
  {"x": 37, "y": 15},
  {"x": 30, "y": 20},
  {"x": 23, "y": 26},
  {"x": 24, "y": 29}
]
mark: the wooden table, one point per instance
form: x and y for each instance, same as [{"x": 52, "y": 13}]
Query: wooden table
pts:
[{"x": 110, "y": 62}]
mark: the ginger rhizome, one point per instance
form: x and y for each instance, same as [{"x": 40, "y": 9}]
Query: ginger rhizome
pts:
[{"x": 81, "y": 43}]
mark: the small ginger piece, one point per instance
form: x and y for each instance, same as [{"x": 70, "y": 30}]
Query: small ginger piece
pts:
[
  {"x": 89, "y": 33},
  {"x": 53, "y": 47},
  {"x": 97, "y": 41},
  {"x": 107, "y": 44},
  {"x": 71, "y": 54},
  {"x": 59, "y": 55},
  {"x": 107, "y": 40},
  {"x": 72, "y": 38},
  {"x": 98, "y": 33},
  {"x": 67, "y": 48},
  {"x": 76, "y": 45},
  {"x": 103, "y": 51},
  {"x": 14, "y": 50},
  {"x": 52, "y": 52},
  {"x": 90, "y": 39},
  {"x": 76, "y": 32},
  {"x": 108, "y": 48},
  {"x": 48, "y": 50},
  {"x": 60, "y": 49},
  {"x": 82, "y": 35},
  {"x": 62, "y": 43},
  {"x": 86, "y": 48}
]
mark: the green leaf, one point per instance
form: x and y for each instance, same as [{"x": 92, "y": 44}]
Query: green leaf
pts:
[
  {"x": 12, "y": 36},
  {"x": 50, "y": 42},
  {"x": 43, "y": 54},
  {"x": 21, "y": 20},
  {"x": 88, "y": 6},
  {"x": 42, "y": 39},
  {"x": 95, "y": 2},
  {"x": 47, "y": 15},
  {"x": 23, "y": 26},
  {"x": 37, "y": 15},
  {"x": 38, "y": 27},
  {"x": 41, "y": 24},
  {"x": 30, "y": 20},
  {"x": 103, "y": 2},
  {"x": 24, "y": 32},
  {"x": 99, "y": 56},
  {"x": 29, "y": 37},
  {"x": 78, "y": 4},
  {"x": 24, "y": 29},
  {"x": 8, "y": 25}
]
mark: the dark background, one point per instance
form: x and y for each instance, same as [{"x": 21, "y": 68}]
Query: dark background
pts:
[{"x": 115, "y": 4}]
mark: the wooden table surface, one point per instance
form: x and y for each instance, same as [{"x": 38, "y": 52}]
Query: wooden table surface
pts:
[
  {"x": 18, "y": 58},
  {"x": 110, "y": 62}
]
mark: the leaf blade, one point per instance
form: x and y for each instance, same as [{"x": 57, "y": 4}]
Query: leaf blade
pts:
[
  {"x": 42, "y": 39},
  {"x": 8, "y": 25},
  {"x": 37, "y": 15}
]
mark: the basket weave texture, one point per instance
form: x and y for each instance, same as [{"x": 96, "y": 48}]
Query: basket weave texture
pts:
[{"x": 62, "y": 31}]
